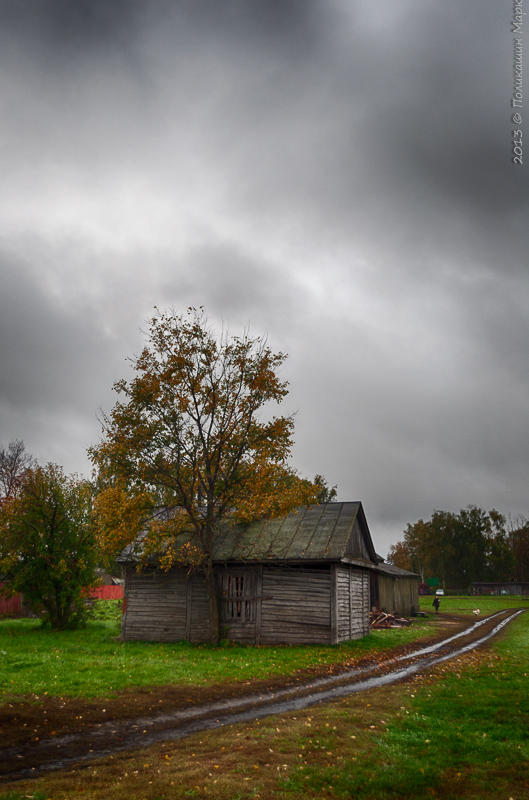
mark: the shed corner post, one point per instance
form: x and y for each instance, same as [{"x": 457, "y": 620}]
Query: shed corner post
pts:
[
  {"x": 189, "y": 607},
  {"x": 334, "y": 606},
  {"x": 123, "y": 629},
  {"x": 258, "y": 602}
]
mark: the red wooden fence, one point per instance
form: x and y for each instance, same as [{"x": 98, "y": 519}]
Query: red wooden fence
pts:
[
  {"x": 107, "y": 593},
  {"x": 12, "y": 606},
  {"x": 9, "y": 605}
]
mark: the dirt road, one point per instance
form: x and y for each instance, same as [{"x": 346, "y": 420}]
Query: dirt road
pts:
[{"x": 60, "y": 733}]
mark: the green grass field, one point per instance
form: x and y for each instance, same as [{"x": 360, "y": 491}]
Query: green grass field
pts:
[
  {"x": 486, "y": 604},
  {"x": 92, "y": 662},
  {"x": 460, "y": 731}
]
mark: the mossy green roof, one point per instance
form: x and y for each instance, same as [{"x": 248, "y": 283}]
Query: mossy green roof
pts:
[
  {"x": 318, "y": 533},
  {"x": 328, "y": 532}
]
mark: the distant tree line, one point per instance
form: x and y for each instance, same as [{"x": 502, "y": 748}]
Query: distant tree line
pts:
[{"x": 460, "y": 549}]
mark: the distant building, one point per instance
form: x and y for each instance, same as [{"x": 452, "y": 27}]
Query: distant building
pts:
[
  {"x": 395, "y": 590},
  {"x": 499, "y": 587}
]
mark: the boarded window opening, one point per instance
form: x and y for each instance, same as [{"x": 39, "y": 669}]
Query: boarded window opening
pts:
[{"x": 240, "y": 596}]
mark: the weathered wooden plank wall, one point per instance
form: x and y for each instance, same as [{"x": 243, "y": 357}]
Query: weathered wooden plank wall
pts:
[
  {"x": 357, "y": 545},
  {"x": 352, "y": 591},
  {"x": 386, "y": 598},
  {"x": 296, "y": 608},
  {"x": 270, "y": 605},
  {"x": 198, "y": 611},
  {"x": 156, "y": 604},
  {"x": 398, "y": 595},
  {"x": 407, "y": 596}
]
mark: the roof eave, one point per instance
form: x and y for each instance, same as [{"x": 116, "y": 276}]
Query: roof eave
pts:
[{"x": 358, "y": 562}]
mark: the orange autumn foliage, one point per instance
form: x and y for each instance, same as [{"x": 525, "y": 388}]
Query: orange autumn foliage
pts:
[{"x": 188, "y": 448}]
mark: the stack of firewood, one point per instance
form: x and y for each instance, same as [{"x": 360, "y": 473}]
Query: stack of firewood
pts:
[{"x": 379, "y": 619}]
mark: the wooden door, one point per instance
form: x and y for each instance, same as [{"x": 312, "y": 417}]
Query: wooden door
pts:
[{"x": 240, "y": 603}]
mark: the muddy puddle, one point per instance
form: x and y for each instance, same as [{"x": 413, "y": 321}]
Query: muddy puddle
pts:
[{"x": 103, "y": 739}]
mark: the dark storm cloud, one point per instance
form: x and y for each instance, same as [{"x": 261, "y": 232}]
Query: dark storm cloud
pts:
[
  {"x": 335, "y": 174},
  {"x": 214, "y": 270},
  {"x": 49, "y": 353},
  {"x": 61, "y": 28}
]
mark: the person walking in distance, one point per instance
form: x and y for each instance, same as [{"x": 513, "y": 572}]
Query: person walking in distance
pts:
[{"x": 436, "y": 603}]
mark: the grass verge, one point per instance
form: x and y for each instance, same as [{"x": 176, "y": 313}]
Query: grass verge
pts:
[
  {"x": 460, "y": 731},
  {"x": 486, "y": 604},
  {"x": 92, "y": 662}
]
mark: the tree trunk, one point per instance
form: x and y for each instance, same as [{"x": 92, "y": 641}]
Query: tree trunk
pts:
[{"x": 213, "y": 598}]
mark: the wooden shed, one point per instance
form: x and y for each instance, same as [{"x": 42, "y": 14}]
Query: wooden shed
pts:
[
  {"x": 395, "y": 590},
  {"x": 300, "y": 579}
]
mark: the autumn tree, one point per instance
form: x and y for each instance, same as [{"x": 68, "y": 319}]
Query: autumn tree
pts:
[
  {"x": 47, "y": 544},
  {"x": 459, "y": 549},
  {"x": 187, "y": 449},
  {"x": 14, "y": 461},
  {"x": 399, "y": 555},
  {"x": 325, "y": 493}
]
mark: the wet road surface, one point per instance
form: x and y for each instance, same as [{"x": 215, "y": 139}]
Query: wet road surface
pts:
[{"x": 76, "y": 749}]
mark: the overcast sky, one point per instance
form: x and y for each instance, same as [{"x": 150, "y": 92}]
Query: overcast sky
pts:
[{"x": 336, "y": 173}]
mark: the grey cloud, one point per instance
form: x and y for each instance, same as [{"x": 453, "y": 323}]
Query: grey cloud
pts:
[
  {"x": 243, "y": 285},
  {"x": 49, "y": 354},
  {"x": 338, "y": 176}
]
